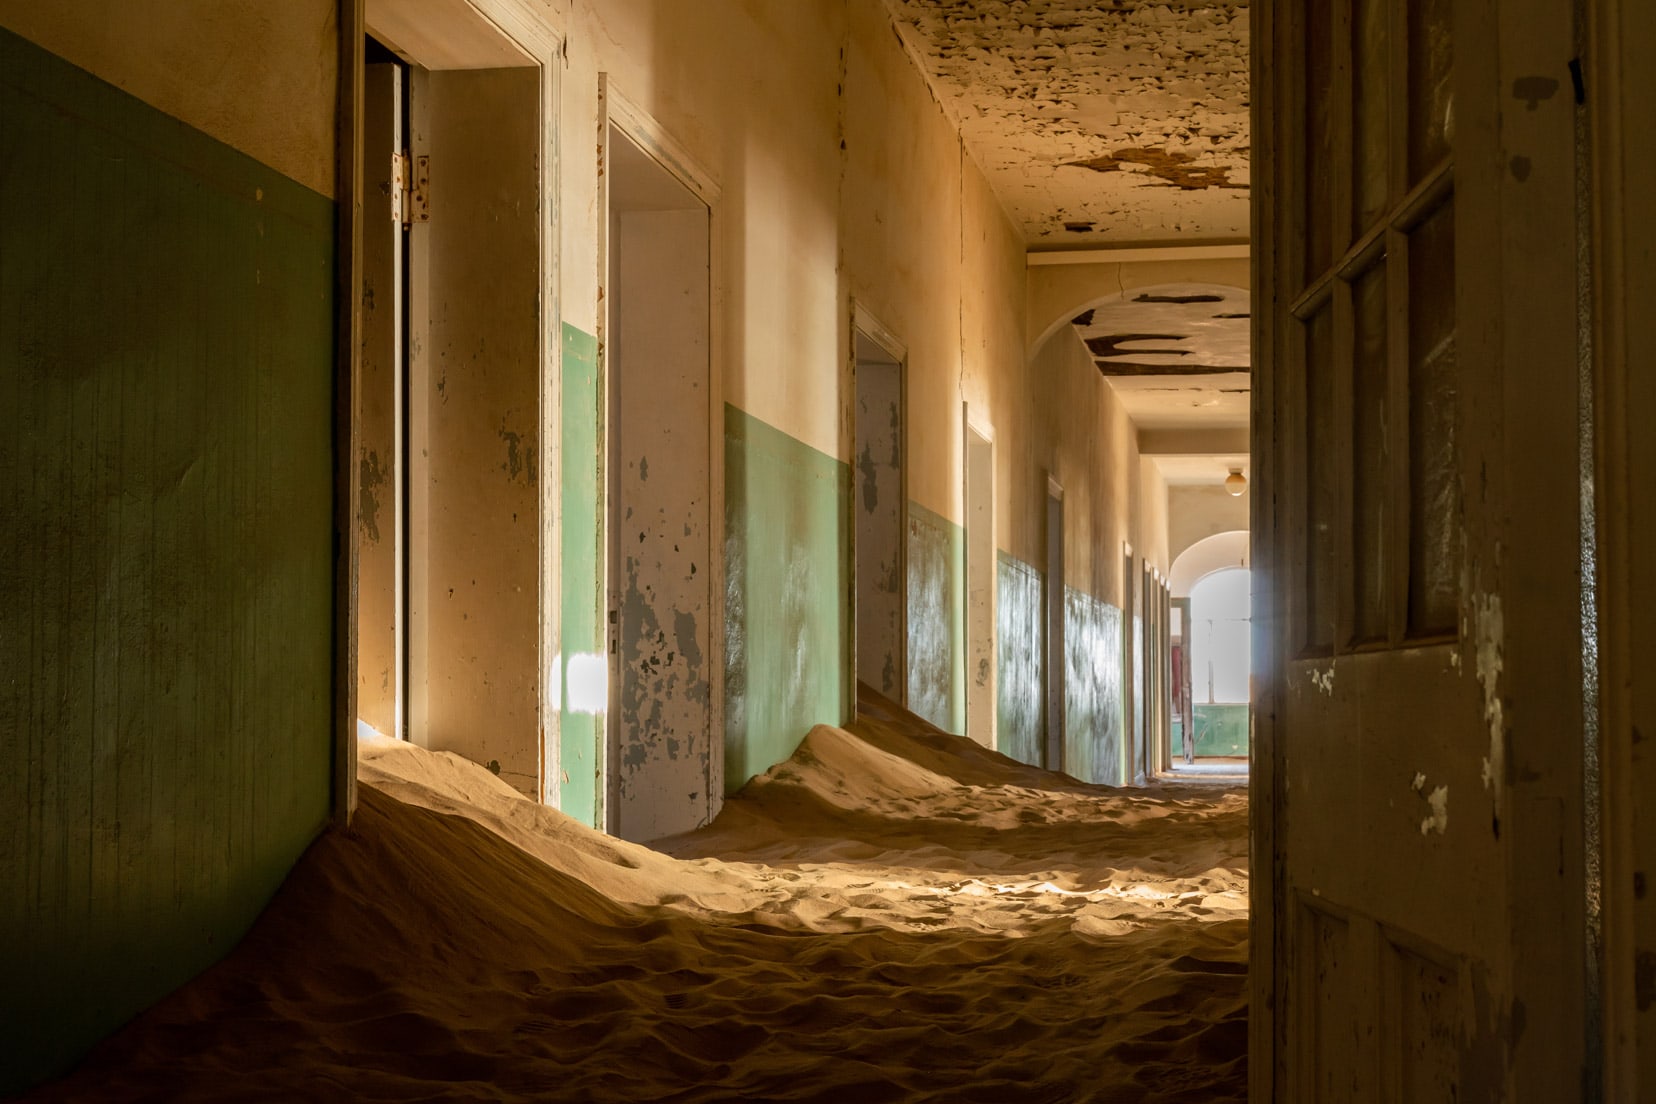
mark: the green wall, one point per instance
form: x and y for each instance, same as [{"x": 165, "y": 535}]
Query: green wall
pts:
[
  {"x": 1093, "y": 699},
  {"x": 166, "y": 404},
  {"x": 1221, "y": 729},
  {"x": 788, "y": 594},
  {"x": 936, "y": 619},
  {"x": 1020, "y": 661},
  {"x": 580, "y": 735}
]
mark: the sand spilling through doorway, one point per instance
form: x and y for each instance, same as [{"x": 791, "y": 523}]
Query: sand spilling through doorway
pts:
[{"x": 893, "y": 914}]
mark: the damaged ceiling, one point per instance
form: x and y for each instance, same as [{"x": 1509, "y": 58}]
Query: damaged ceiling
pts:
[
  {"x": 1098, "y": 122},
  {"x": 1177, "y": 355}
]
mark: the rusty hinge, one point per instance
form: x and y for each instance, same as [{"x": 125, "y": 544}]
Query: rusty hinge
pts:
[{"x": 410, "y": 191}]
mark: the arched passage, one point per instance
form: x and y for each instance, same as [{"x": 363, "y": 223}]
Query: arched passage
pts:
[{"x": 1204, "y": 557}]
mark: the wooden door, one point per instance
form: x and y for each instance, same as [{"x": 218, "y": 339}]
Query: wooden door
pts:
[
  {"x": 1418, "y": 790},
  {"x": 379, "y": 467}
]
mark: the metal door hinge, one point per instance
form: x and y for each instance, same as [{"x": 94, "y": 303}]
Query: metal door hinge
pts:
[{"x": 410, "y": 190}]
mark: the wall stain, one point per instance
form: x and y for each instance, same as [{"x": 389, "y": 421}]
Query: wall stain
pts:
[
  {"x": 372, "y": 475},
  {"x": 1532, "y": 90},
  {"x": 517, "y": 456}
]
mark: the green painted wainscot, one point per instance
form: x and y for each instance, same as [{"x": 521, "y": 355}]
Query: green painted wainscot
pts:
[
  {"x": 166, "y": 407},
  {"x": 1221, "y": 729},
  {"x": 1020, "y": 661},
  {"x": 581, "y": 536},
  {"x": 788, "y": 594},
  {"x": 936, "y": 619}
]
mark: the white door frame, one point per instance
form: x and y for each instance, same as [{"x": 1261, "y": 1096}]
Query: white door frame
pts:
[
  {"x": 615, "y": 109},
  {"x": 448, "y": 34}
]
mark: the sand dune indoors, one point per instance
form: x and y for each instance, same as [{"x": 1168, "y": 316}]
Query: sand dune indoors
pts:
[{"x": 893, "y": 914}]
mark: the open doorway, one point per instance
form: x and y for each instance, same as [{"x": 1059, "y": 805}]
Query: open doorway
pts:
[
  {"x": 1220, "y": 667},
  {"x": 880, "y": 498},
  {"x": 453, "y": 362},
  {"x": 664, "y": 740},
  {"x": 1209, "y": 697}
]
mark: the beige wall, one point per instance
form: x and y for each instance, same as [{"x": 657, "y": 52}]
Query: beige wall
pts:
[
  {"x": 1195, "y": 512},
  {"x": 766, "y": 133},
  {"x": 898, "y": 219},
  {"x": 1153, "y": 521},
  {"x": 259, "y": 77}
]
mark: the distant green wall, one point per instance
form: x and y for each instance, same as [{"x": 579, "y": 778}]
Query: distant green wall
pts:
[
  {"x": 788, "y": 594},
  {"x": 1221, "y": 729},
  {"x": 580, "y": 735},
  {"x": 166, "y": 489},
  {"x": 936, "y": 619}
]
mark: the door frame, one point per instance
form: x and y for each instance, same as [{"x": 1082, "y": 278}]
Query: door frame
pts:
[
  {"x": 616, "y": 110},
  {"x": 524, "y": 24},
  {"x": 863, "y": 321}
]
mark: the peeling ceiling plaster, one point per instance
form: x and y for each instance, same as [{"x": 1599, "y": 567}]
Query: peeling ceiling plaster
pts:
[
  {"x": 1098, "y": 122},
  {"x": 1177, "y": 355},
  {"x": 1189, "y": 328}
]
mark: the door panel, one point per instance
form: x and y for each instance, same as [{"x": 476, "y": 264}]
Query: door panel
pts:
[
  {"x": 1415, "y": 404},
  {"x": 474, "y": 404}
]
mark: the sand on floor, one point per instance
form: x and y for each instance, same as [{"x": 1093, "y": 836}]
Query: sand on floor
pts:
[{"x": 892, "y": 914}]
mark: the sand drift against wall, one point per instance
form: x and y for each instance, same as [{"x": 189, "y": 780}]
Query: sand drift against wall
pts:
[{"x": 893, "y": 914}]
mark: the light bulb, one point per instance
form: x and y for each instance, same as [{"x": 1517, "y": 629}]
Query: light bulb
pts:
[{"x": 1235, "y": 482}]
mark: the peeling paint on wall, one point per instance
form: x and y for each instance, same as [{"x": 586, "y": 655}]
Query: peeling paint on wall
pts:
[
  {"x": 1093, "y": 690},
  {"x": 936, "y": 619},
  {"x": 1020, "y": 636},
  {"x": 879, "y": 501},
  {"x": 1489, "y": 635},
  {"x": 1437, "y": 806}
]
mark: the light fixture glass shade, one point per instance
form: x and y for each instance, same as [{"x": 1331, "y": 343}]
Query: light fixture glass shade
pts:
[{"x": 1235, "y": 482}]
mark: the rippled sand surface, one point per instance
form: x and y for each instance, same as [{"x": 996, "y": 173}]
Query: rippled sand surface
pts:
[{"x": 893, "y": 914}]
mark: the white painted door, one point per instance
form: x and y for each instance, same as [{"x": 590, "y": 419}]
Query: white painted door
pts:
[{"x": 662, "y": 768}]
